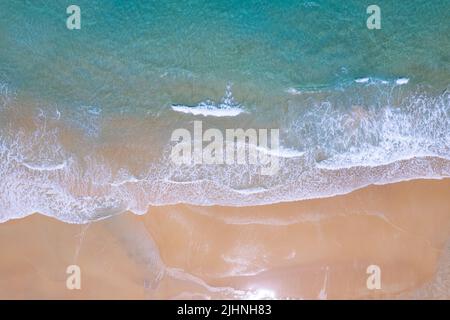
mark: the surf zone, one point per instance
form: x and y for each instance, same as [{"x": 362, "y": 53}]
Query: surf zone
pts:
[{"x": 258, "y": 147}]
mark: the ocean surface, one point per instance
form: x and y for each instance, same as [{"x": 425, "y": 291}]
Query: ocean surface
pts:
[{"x": 86, "y": 116}]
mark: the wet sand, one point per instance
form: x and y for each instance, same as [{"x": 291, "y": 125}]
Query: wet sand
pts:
[{"x": 302, "y": 250}]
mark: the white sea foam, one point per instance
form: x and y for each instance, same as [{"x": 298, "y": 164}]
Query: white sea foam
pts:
[
  {"x": 402, "y": 81},
  {"x": 293, "y": 91},
  {"x": 281, "y": 152},
  {"x": 227, "y": 107},
  {"x": 125, "y": 181},
  {"x": 343, "y": 85},
  {"x": 374, "y": 80},
  {"x": 251, "y": 190},
  {"x": 362, "y": 80},
  {"x": 208, "y": 111},
  {"x": 376, "y": 145},
  {"x": 45, "y": 166}
]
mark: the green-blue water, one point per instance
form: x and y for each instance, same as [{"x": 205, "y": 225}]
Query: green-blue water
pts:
[{"x": 149, "y": 54}]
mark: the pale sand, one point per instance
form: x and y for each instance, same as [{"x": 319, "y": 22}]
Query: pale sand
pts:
[{"x": 306, "y": 249}]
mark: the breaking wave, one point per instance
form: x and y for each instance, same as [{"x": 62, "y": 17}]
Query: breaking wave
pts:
[{"x": 227, "y": 107}]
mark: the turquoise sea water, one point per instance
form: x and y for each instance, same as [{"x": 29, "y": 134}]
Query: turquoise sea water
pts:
[
  {"x": 347, "y": 97},
  {"x": 147, "y": 54}
]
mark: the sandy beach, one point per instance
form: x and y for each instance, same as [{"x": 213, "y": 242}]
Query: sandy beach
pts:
[
  {"x": 224, "y": 150},
  {"x": 312, "y": 249}
]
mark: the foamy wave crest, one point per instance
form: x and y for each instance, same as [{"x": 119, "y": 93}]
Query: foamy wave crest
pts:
[
  {"x": 227, "y": 107},
  {"x": 45, "y": 166},
  {"x": 374, "y": 136},
  {"x": 372, "y": 80},
  {"x": 281, "y": 152},
  {"x": 342, "y": 85},
  {"x": 205, "y": 109}
]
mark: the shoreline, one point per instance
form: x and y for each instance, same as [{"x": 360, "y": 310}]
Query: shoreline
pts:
[{"x": 306, "y": 249}]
